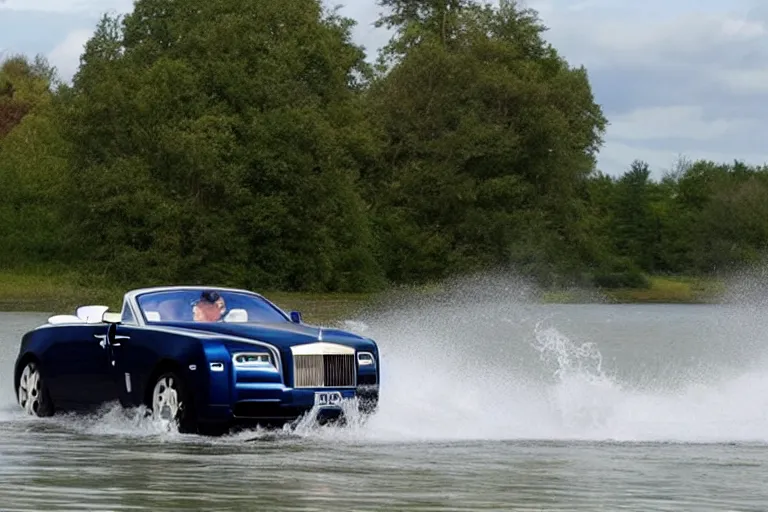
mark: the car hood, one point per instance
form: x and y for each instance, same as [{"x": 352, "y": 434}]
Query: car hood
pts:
[{"x": 282, "y": 335}]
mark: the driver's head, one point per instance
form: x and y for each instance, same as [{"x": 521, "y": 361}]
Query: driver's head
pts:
[{"x": 209, "y": 307}]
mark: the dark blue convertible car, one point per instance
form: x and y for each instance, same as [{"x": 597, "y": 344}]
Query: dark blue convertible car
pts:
[{"x": 207, "y": 358}]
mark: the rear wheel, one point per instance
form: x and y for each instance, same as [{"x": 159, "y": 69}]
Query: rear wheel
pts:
[
  {"x": 171, "y": 402},
  {"x": 32, "y": 393}
]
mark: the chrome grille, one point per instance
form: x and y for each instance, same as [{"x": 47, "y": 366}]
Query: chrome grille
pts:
[{"x": 324, "y": 371}]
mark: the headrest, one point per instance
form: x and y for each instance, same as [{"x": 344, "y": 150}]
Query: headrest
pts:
[
  {"x": 237, "y": 315},
  {"x": 152, "y": 316},
  {"x": 91, "y": 314}
]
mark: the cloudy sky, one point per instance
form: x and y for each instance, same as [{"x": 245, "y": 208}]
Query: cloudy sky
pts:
[{"x": 675, "y": 78}]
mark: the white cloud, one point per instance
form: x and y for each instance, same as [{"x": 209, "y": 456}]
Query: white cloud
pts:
[
  {"x": 66, "y": 55},
  {"x": 687, "y": 121},
  {"x": 685, "y": 77},
  {"x": 746, "y": 81},
  {"x": 660, "y": 135},
  {"x": 618, "y": 156},
  {"x": 682, "y": 40}
]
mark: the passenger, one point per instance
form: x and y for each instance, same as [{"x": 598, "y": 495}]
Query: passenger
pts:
[{"x": 209, "y": 307}]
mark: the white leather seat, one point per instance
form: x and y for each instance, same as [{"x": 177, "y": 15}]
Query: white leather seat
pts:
[{"x": 65, "y": 319}]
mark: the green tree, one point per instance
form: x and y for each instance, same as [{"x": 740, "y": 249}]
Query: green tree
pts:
[
  {"x": 489, "y": 138},
  {"x": 24, "y": 86},
  {"x": 32, "y": 165},
  {"x": 218, "y": 141},
  {"x": 635, "y": 224}
]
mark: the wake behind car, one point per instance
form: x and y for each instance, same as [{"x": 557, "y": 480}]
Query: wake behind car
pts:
[{"x": 207, "y": 358}]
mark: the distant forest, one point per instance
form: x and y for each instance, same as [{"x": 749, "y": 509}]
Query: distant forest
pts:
[{"x": 252, "y": 144}]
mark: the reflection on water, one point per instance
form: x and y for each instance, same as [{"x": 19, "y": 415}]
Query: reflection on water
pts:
[{"x": 486, "y": 405}]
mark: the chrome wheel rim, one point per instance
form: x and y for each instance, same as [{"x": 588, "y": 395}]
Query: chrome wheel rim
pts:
[
  {"x": 30, "y": 389},
  {"x": 165, "y": 399}
]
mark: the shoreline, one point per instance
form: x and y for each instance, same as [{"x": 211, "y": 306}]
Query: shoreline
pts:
[
  {"x": 61, "y": 293},
  {"x": 662, "y": 290}
]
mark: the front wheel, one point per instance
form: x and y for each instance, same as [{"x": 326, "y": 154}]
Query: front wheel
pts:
[
  {"x": 32, "y": 393},
  {"x": 171, "y": 402}
]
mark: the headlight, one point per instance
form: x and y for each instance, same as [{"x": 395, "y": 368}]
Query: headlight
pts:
[
  {"x": 365, "y": 359},
  {"x": 244, "y": 360}
]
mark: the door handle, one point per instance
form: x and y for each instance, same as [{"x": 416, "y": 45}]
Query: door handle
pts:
[
  {"x": 117, "y": 344},
  {"x": 103, "y": 338}
]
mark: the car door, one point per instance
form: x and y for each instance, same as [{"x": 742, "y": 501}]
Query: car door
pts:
[
  {"x": 77, "y": 367},
  {"x": 132, "y": 358}
]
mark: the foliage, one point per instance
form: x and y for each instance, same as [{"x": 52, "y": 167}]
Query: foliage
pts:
[
  {"x": 251, "y": 144},
  {"x": 216, "y": 141},
  {"x": 33, "y": 158},
  {"x": 489, "y": 134}
]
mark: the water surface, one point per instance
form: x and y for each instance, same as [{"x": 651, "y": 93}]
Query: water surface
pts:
[{"x": 487, "y": 404}]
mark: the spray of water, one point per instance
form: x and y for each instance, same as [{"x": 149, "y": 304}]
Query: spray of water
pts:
[{"x": 483, "y": 360}]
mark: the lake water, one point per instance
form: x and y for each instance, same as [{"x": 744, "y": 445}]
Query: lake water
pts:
[{"x": 488, "y": 403}]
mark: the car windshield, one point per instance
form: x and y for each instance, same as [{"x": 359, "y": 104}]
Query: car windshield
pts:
[{"x": 207, "y": 305}]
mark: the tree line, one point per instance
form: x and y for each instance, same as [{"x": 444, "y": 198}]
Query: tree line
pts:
[{"x": 253, "y": 144}]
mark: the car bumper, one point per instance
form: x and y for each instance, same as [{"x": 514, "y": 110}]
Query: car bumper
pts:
[{"x": 265, "y": 404}]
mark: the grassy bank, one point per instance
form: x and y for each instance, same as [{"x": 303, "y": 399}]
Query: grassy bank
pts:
[
  {"x": 61, "y": 292},
  {"x": 52, "y": 292},
  {"x": 673, "y": 290},
  {"x": 662, "y": 290}
]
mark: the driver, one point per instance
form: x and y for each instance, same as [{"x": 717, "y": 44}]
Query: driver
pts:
[{"x": 209, "y": 307}]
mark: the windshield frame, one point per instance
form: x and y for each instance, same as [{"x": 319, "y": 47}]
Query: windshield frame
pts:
[{"x": 187, "y": 294}]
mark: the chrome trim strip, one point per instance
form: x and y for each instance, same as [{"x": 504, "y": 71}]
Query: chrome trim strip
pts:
[
  {"x": 321, "y": 348},
  {"x": 136, "y": 312},
  {"x": 257, "y": 365},
  {"x": 370, "y": 355},
  {"x": 132, "y": 295},
  {"x": 203, "y": 335}
]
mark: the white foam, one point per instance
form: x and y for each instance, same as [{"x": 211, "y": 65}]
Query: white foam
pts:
[{"x": 522, "y": 377}]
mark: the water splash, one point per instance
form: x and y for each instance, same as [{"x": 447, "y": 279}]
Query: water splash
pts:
[
  {"x": 582, "y": 396},
  {"x": 483, "y": 361},
  {"x": 465, "y": 368}
]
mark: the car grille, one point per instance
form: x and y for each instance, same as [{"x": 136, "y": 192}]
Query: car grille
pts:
[{"x": 324, "y": 371}]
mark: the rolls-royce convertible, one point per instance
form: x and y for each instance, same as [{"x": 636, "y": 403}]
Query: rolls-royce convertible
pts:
[{"x": 206, "y": 358}]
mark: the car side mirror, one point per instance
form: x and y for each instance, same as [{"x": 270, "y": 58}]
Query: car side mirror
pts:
[
  {"x": 111, "y": 318},
  {"x": 295, "y": 317}
]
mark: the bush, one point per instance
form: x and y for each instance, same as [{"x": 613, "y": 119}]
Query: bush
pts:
[{"x": 622, "y": 279}]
